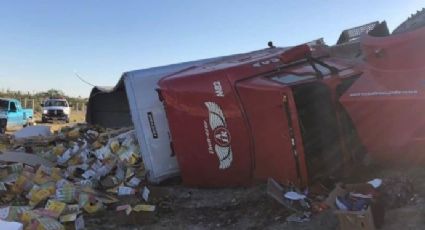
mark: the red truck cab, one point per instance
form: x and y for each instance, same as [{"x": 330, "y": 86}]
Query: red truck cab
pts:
[{"x": 270, "y": 113}]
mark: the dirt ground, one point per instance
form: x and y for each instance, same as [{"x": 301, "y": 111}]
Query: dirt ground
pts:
[{"x": 251, "y": 208}]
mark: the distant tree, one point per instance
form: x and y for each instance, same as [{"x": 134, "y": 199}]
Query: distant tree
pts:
[{"x": 55, "y": 93}]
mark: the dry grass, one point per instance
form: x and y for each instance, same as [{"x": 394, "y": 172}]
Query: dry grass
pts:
[{"x": 76, "y": 117}]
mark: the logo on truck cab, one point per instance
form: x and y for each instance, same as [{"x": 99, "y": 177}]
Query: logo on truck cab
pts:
[
  {"x": 218, "y": 89},
  {"x": 221, "y": 135}
]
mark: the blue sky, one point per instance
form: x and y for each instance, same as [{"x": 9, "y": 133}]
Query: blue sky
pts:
[{"x": 43, "y": 42}]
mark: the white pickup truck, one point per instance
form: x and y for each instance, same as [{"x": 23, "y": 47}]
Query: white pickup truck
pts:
[{"x": 56, "y": 109}]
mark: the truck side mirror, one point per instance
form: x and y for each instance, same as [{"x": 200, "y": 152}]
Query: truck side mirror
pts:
[{"x": 41, "y": 104}]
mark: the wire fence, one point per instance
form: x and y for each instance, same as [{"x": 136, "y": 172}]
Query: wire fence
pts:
[{"x": 36, "y": 105}]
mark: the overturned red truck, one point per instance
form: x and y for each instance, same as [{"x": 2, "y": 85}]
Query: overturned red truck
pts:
[
  {"x": 254, "y": 116},
  {"x": 293, "y": 114}
]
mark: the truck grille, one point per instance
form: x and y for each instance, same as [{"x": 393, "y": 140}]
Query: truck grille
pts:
[{"x": 56, "y": 112}]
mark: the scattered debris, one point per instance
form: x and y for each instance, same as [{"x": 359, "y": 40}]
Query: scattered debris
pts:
[
  {"x": 304, "y": 204},
  {"x": 351, "y": 220},
  {"x": 375, "y": 182},
  {"x": 54, "y": 181},
  {"x": 78, "y": 170},
  {"x": 299, "y": 217},
  {"x": 145, "y": 194},
  {"x": 294, "y": 196},
  {"x": 32, "y": 131},
  {"x": 11, "y": 225},
  {"x": 24, "y": 158},
  {"x": 358, "y": 206},
  {"x": 144, "y": 207},
  {"x": 276, "y": 191}
]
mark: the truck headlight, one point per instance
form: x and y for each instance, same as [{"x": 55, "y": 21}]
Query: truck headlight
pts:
[{"x": 44, "y": 111}]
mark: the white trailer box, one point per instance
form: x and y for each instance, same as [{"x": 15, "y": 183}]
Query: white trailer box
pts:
[{"x": 134, "y": 102}]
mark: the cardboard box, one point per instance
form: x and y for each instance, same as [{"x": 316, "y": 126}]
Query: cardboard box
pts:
[
  {"x": 356, "y": 220},
  {"x": 351, "y": 220}
]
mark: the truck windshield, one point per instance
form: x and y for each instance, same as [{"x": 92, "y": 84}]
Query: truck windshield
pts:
[
  {"x": 4, "y": 105},
  {"x": 292, "y": 78},
  {"x": 56, "y": 103},
  {"x": 302, "y": 73}
]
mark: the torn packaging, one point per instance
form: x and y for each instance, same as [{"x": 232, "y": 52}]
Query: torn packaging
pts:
[
  {"x": 46, "y": 223},
  {"x": 79, "y": 223},
  {"x": 123, "y": 190},
  {"x": 277, "y": 192},
  {"x": 12, "y": 213},
  {"x": 68, "y": 218},
  {"x": 56, "y": 207}
]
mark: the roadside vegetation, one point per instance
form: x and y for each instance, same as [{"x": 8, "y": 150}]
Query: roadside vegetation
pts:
[{"x": 33, "y": 101}]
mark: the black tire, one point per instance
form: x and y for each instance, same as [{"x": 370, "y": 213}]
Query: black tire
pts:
[{"x": 415, "y": 21}]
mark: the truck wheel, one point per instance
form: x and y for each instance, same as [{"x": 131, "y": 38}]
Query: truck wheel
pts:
[{"x": 415, "y": 21}]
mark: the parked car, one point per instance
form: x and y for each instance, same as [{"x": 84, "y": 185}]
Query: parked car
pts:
[
  {"x": 13, "y": 116},
  {"x": 56, "y": 109}
]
